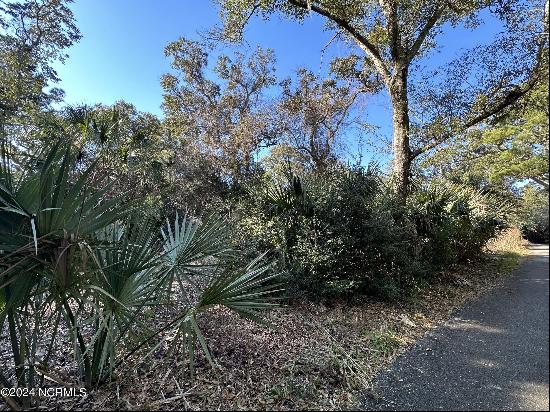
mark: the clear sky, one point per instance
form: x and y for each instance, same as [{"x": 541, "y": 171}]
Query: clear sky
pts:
[
  {"x": 121, "y": 53},
  {"x": 120, "y": 56}
]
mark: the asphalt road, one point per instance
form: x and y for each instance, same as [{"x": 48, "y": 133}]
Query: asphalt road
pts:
[{"x": 493, "y": 355}]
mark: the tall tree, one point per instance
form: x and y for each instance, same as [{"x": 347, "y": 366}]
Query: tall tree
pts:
[
  {"x": 314, "y": 115},
  {"x": 392, "y": 36},
  {"x": 514, "y": 147},
  {"x": 33, "y": 35},
  {"x": 220, "y": 114}
]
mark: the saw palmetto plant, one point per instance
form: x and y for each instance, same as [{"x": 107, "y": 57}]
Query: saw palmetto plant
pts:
[{"x": 76, "y": 261}]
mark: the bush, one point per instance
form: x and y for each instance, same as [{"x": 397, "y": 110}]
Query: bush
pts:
[
  {"x": 454, "y": 222},
  {"x": 532, "y": 216},
  {"x": 337, "y": 231},
  {"x": 342, "y": 231}
]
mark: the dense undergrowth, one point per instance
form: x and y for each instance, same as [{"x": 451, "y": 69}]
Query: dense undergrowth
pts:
[
  {"x": 96, "y": 268},
  {"x": 343, "y": 231},
  {"x": 317, "y": 355},
  {"x": 104, "y": 271}
]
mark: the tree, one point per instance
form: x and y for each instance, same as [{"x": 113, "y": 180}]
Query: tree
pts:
[
  {"x": 314, "y": 114},
  {"x": 512, "y": 148},
  {"x": 33, "y": 35},
  {"x": 225, "y": 120},
  {"x": 133, "y": 148},
  {"x": 532, "y": 216},
  {"x": 393, "y": 35}
]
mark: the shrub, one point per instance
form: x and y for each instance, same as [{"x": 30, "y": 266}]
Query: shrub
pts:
[
  {"x": 532, "y": 216},
  {"x": 454, "y": 222},
  {"x": 69, "y": 253},
  {"x": 342, "y": 231},
  {"x": 338, "y": 231},
  {"x": 509, "y": 240}
]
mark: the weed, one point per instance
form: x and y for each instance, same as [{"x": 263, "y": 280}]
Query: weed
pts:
[{"x": 384, "y": 344}]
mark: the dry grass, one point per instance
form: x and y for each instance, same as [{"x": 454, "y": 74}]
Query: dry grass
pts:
[
  {"x": 315, "y": 357},
  {"x": 509, "y": 241}
]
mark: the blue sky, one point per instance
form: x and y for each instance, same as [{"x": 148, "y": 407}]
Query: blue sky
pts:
[
  {"x": 121, "y": 53},
  {"x": 120, "y": 56}
]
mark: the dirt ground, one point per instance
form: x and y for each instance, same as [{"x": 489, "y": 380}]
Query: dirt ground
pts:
[{"x": 315, "y": 356}]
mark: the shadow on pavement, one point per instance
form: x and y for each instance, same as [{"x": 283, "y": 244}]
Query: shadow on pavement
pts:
[{"x": 493, "y": 355}]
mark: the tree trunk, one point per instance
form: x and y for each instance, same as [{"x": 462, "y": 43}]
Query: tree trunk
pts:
[{"x": 401, "y": 147}]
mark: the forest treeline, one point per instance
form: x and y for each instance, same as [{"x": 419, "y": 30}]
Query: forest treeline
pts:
[{"x": 243, "y": 193}]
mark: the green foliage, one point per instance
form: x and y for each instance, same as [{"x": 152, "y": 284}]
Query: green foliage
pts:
[
  {"x": 33, "y": 35},
  {"x": 384, "y": 343},
  {"x": 69, "y": 252},
  {"x": 342, "y": 231},
  {"x": 337, "y": 230},
  {"x": 128, "y": 144},
  {"x": 454, "y": 222},
  {"x": 532, "y": 217},
  {"x": 511, "y": 149}
]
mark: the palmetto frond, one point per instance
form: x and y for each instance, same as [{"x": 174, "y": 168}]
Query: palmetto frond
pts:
[
  {"x": 190, "y": 241},
  {"x": 98, "y": 262},
  {"x": 247, "y": 291}
]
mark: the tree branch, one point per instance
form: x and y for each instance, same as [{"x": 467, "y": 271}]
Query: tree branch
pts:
[
  {"x": 517, "y": 92},
  {"x": 508, "y": 99},
  {"x": 430, "y": 23},
  {"x": 389, "y": 8},
  {"x": 347, "y": 107},
  {"x": 371, "y": 50},
  {"x": 543, "y": 182}
]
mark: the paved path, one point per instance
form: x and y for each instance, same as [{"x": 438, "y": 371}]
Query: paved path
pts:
[{"x": 492, "y": 356}]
